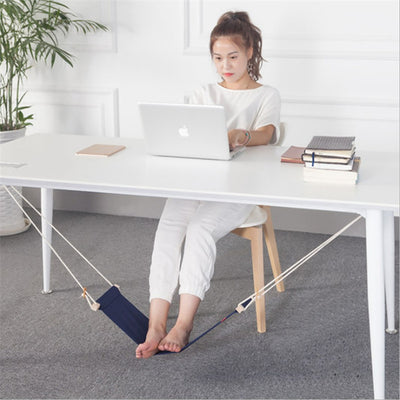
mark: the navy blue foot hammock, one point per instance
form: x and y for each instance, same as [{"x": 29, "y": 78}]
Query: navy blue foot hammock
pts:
[
  {"x": 124, "y": 314},
  {"x": 132, "y": 321}
]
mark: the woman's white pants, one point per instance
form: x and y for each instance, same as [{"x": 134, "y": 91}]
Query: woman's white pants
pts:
[{"x": 201, "y": 224}]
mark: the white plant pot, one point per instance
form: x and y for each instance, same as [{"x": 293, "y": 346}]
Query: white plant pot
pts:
[{"x": 12, "y": 219}]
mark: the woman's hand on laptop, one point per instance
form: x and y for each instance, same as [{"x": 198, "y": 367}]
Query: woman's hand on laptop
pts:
[
  {"x": 243, "y": 137},
  {"x": 238, "y": 138}
]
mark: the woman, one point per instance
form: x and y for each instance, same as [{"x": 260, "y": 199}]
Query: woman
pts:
[{"x": 252, "y": 112}]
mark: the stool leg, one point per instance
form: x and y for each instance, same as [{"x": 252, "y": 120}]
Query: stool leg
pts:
[
  {"x": 272, "y": 248},
  {"x": 258, "y": 274}
]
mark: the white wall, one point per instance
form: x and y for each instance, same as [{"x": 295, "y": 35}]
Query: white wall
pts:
[{"x": 334, "y": 62}]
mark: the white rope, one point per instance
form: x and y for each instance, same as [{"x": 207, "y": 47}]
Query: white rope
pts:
[
  {"x": 264, "y": 290},
  {"x": 62, "y": 236},
  {"x": 240, "y": 308},
  {"x": 85, "y": 293}
]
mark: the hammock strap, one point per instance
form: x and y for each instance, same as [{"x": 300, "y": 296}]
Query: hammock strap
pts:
[
  {"x": 85, "y": 293},
  {"x": 245, "y": 304},
  {"x": 209, "y": 330}
]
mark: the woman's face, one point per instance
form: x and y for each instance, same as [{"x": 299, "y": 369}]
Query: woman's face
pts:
[{"x": 230, "y": 59}]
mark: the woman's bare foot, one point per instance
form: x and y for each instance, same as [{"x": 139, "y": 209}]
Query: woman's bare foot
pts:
[
  {"x": 150, "y": 346},
  {"x": 177, "y": 338},
  {"x": 157, "y": 328}
]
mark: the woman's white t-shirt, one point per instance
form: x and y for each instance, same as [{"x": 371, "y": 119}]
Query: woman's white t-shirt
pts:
[{"x": 244, "y": 109}]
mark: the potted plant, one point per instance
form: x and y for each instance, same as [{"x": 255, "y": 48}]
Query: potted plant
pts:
[{"x": 30, "y": 31}]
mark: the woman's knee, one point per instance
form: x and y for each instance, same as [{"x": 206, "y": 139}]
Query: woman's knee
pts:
[{"x": 200, "y": 231}]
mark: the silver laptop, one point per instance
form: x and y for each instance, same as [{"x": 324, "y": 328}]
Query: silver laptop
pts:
[{"x": 186, "y": 130}]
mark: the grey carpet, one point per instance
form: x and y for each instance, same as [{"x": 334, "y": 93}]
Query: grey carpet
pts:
[{"x": 316, "y": 346}]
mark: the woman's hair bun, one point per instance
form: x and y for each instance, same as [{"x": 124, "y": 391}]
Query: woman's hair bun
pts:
[{"x": 235, "y": 15}]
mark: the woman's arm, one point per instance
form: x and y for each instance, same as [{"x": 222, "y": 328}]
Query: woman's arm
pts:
[{"x": 243, "y": 137}]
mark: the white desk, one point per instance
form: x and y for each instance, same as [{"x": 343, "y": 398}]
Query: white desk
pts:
[{"x": 255, "y": 177}]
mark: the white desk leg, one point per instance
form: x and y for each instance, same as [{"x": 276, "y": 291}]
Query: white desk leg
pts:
[
  {"x": 388, "y": 243},
  {"x": 376, "y": 299},
  {"x": 47, "y": 215}
]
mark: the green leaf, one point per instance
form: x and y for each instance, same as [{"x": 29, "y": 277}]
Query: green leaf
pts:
[{"x": 30, "y": 31}]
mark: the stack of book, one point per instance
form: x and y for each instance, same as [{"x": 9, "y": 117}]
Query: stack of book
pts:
[{"x": 331, "y": 159}]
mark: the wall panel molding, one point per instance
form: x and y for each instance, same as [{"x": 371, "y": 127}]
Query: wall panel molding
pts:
[
  {"x": 375, "y": 124},
  {"x": 304, "y": 29},
  {"x": 74, "y": 111},
  {"x": 342, "y": 108}
]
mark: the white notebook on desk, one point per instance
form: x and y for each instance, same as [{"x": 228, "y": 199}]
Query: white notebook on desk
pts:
[{"x": 186, "y": 130}]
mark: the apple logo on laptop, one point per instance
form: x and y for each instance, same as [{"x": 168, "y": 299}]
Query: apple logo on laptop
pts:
[{"x": 183, "y": 131}]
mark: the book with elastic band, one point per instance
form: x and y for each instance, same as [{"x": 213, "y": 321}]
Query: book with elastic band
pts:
[
  {"x": 316, "y": 159},
  {"x": 331, "y": 165}
]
